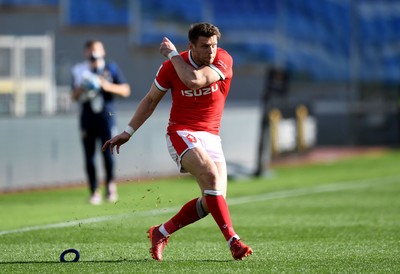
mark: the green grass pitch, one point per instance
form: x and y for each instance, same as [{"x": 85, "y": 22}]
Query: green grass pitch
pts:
[{"x": 338, "y": 217}]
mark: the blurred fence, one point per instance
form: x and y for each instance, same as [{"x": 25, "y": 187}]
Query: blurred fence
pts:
[{"x": 27, "y": 83}]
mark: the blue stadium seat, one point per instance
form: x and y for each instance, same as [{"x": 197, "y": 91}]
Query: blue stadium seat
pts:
[
  {"x": 242, "y": 14},
  {"x": 29, "y": 2},
  {"x": 391, "y": 68},
  {"x": 94, "y": 12},
  {"x": 174, "y": 10}
]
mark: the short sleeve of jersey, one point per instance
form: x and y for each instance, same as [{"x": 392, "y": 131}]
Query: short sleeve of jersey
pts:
[
  {"x": 222, "y": 64},
  {"x": 117, "y": 75},
  {"x": 163, "y": 76},
  {"x": 77, "y": 73}
]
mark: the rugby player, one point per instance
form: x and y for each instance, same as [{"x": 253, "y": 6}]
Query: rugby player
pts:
[{"x": 199, "y": 80}]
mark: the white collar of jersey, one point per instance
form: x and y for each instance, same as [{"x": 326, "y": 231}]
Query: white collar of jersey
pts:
[
  {"x": 192, "y": 61},
  {"x": 221, "y": 75}
]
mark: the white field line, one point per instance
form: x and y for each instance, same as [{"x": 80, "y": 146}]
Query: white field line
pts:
[
  {"x": 232, "y": 201},
  {"x": 339, "y": 186}
]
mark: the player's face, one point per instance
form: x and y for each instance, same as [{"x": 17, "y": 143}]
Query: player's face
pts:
[
  {"x": 204, "y": 51},
  {"x": 96, "y": 50}
]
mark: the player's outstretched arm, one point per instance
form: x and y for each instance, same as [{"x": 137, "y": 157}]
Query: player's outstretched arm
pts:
[
  {"x": 117, "y": 141},
  {"x": 123, "y": 90},
  {"x": 143, "y": 112}
]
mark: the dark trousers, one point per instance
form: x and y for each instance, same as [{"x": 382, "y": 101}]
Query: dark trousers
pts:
[{"x": 96, "y": 129}]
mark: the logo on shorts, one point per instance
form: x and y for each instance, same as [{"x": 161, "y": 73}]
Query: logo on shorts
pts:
[{"x": 191, "y": 138}]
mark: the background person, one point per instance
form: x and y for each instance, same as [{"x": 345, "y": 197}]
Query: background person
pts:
[
  {"x": 199, "y": 80},
  {"x": 94, "y": 84}
]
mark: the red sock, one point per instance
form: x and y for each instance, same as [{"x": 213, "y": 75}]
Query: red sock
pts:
[
  {"x": 220, "y": 212},
  {"x": 191, "y": 212}
]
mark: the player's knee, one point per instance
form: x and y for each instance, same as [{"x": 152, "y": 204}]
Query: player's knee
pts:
[{"x": 209, "y": 180}]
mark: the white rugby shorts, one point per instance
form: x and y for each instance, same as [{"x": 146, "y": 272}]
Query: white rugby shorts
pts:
[{"x": 181, "y": 141}]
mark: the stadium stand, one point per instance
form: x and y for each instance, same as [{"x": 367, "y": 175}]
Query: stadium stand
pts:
[
  {"x": 244, "y": 15},
  {"x": 327, "y": 46},
  {"x": 176, "y": 10},
  {"x": 320, "y": 39},
  {"x": 100, "y": 13},
  {"x": 15, "y": 3}
]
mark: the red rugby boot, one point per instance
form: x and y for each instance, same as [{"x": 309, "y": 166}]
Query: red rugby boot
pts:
[
  {"x": 240, "y": 250},
  {"x": 158, "y": 242}
]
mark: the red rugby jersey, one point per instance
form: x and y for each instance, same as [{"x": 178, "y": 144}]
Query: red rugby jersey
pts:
[{"x": 199, "y": 109}]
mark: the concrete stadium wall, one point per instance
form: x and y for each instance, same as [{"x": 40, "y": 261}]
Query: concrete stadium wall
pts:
[{"x": 46, "y": 151}]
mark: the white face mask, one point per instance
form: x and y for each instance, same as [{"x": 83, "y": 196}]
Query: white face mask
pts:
[
  {"x": 97, "y": 60},
  {"x": 94, "y": 56}
]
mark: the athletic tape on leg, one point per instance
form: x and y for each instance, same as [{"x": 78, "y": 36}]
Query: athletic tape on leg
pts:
[
  {"x": 213, "y": 192},
  {"x": 200, "y": 210}
]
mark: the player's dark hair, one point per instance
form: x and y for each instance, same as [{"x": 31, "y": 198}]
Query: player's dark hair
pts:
[
  {"x": 90, "y": 43},
  {"x": 202, "y": 29}
]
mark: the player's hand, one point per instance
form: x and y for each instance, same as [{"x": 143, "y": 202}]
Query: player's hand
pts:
[
  {"x": 118, "y": 141},
  {"x": 77, "y": 93},
  {"x": 166, "y": 47},
  {"x": 104, "y": 84}
]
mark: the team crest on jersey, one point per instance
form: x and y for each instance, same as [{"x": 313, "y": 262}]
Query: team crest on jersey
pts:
[{"x": 191, "y": 138}]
